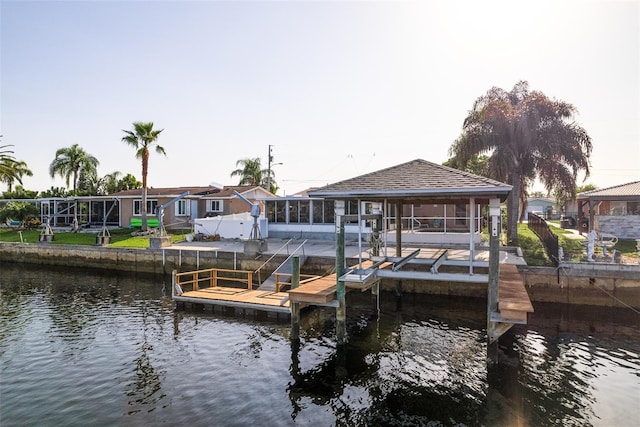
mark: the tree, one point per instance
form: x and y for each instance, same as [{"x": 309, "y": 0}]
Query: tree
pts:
[
  {"x": 18, "y": 211},
  {"x": 251, "y": 173},
  {"x": 585, "y": 188},
  {"x": 6, "y": 162},
  {"x": 54, "y": 192},
  {"x": 527, "y": 136},
  {"x": 110, "y": 182},
  {"x": 70, "y": 161},
  {"x": 563, "y": 197},
  {"x": 90, "y": 184},
  {"x": 20, "y": 193},
  {"x": 141, "y": 138},
  {"x": 12, "y": 171},
  {"x": 129, "y": 182},
  {"x": 476, "y": 164}
]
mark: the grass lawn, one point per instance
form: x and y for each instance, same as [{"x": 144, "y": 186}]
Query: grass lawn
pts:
[
  {"x": 120, "y": 238},
  {"x": 534, "y": 253}
]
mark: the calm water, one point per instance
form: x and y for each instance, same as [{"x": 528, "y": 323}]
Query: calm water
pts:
[{"x": 81, "y": 349}]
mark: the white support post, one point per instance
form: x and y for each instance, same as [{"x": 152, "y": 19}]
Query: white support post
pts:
[{"x": 472, "y": 254}]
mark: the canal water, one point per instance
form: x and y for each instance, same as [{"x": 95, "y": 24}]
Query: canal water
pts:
[{"x": 101, "y": 349}]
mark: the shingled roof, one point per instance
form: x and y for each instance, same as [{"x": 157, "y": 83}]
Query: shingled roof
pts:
[
  {"x": 226, "y": 191},
  {"x": 168, "y": 191},
  {"x": 629, "y": 191},
  {"x": 415, "y": 179}
]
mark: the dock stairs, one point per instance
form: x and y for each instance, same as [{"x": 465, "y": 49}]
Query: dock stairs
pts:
[{"x": 284, "y": 271}]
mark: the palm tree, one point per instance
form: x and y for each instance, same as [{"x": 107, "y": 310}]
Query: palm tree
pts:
[
  {"x": 111, "y": 182},
  {"x": 527, "y": 136},
  {"x": 251, "y": 172},
  {"x": 70, "y": 161},
  {"x": 6, "y": 162},
  {"x": 141, "y": 138},
  {"x": 12, "y": 171}
]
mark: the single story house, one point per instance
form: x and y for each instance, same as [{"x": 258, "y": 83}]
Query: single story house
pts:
[
  {"x": 122, "y": 209},
  {"x": 614, "y": 210},
  {"x": 545, "y": 207},
  {"x": 200, "y": 202}
]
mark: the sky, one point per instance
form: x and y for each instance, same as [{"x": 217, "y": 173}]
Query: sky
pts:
[{"x": 338, "y": 89}]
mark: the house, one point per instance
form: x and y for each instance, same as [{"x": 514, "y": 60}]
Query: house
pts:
[
  {"x": 614, "y": 210},
  {"x": 199, "y": 202},
  {"x": 545, "y": 207}
]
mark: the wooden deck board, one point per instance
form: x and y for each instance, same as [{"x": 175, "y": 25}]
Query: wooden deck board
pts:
[
  {"x": 323, "y": 289},
  {"x": 319, "y": 291},
  {"x": 512, "y": 295},
  {"x": 260, "y": 300}
]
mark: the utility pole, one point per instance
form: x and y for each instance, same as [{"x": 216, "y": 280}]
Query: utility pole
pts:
[{"x": 270, "y": 159}]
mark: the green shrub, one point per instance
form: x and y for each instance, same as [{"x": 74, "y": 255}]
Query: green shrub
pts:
[{"x": 18, "y": 211}]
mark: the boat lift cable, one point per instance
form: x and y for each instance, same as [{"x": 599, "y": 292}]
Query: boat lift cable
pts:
[
  {"x": 618, "y": 299},
  {"x": 561, "y": 269}
]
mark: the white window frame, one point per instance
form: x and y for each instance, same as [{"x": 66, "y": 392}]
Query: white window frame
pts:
[
  {"x": 210, "y": 206},
  {"x": 152, "y": 205},
  {"x": 187, "y": 207}
]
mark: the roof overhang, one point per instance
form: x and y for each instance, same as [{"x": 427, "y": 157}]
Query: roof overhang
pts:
[{"x": 414, "y": 194}]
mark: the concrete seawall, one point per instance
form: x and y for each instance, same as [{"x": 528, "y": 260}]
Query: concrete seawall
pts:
[{"x": 587, "y": 283}]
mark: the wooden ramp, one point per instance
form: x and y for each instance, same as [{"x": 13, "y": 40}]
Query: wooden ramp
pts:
[
  {"x": 322, "y": 290},
  {"x": 282, "y": 275},
  {"x": 513, "y": 302},
  {"x": 513, "y": 299}
]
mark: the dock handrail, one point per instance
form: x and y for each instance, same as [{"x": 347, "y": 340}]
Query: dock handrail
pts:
[
  {"x": 286, "y": 245},
  {"x": 210, "y": 278}
]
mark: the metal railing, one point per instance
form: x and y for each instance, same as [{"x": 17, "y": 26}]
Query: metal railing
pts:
[
  {"x": 549, "y": 240},
  {"x": 289, "y": 255}
]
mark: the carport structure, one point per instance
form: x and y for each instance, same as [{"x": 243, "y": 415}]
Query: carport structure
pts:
[{"x": 380, "y": 197}]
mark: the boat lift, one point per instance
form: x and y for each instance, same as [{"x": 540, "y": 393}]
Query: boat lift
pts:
[
  {"x": 161, "y": 208},
  {"x": 255, "y": 213}
]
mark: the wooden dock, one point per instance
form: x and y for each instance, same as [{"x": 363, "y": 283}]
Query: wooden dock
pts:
[{"x": 204, "y": 288}]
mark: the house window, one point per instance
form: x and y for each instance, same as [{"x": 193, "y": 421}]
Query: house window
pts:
[
  {"x": 182, "y": 208},
  {"x": 151, "y": 207},
  {"x": 214, "y": 205}
]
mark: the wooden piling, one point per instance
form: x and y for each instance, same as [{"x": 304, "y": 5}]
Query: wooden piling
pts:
[
  {"x": 295, "y": 306},
  {"x": 341, "y": 310},
  {"x": 494, "y": 266}
]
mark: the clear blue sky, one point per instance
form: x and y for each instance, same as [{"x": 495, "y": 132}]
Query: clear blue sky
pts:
[{"x": 338, "y": 88}]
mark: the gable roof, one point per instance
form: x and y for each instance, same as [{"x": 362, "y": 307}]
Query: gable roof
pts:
[
  {"x": 228, "y": 191},
  {"x": 629, "y": 191},
  {"x": 167, "y": 191},
  {"x": 415, "y": 179},
  {"x": 193, "y": 191}
]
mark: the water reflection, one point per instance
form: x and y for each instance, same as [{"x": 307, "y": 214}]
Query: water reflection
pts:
[
  {"x": 85, "y": 349},
  {"x": 145, "y": 391}
]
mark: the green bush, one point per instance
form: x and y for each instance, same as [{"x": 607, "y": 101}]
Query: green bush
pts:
[{"x": 18, "y": 211}]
